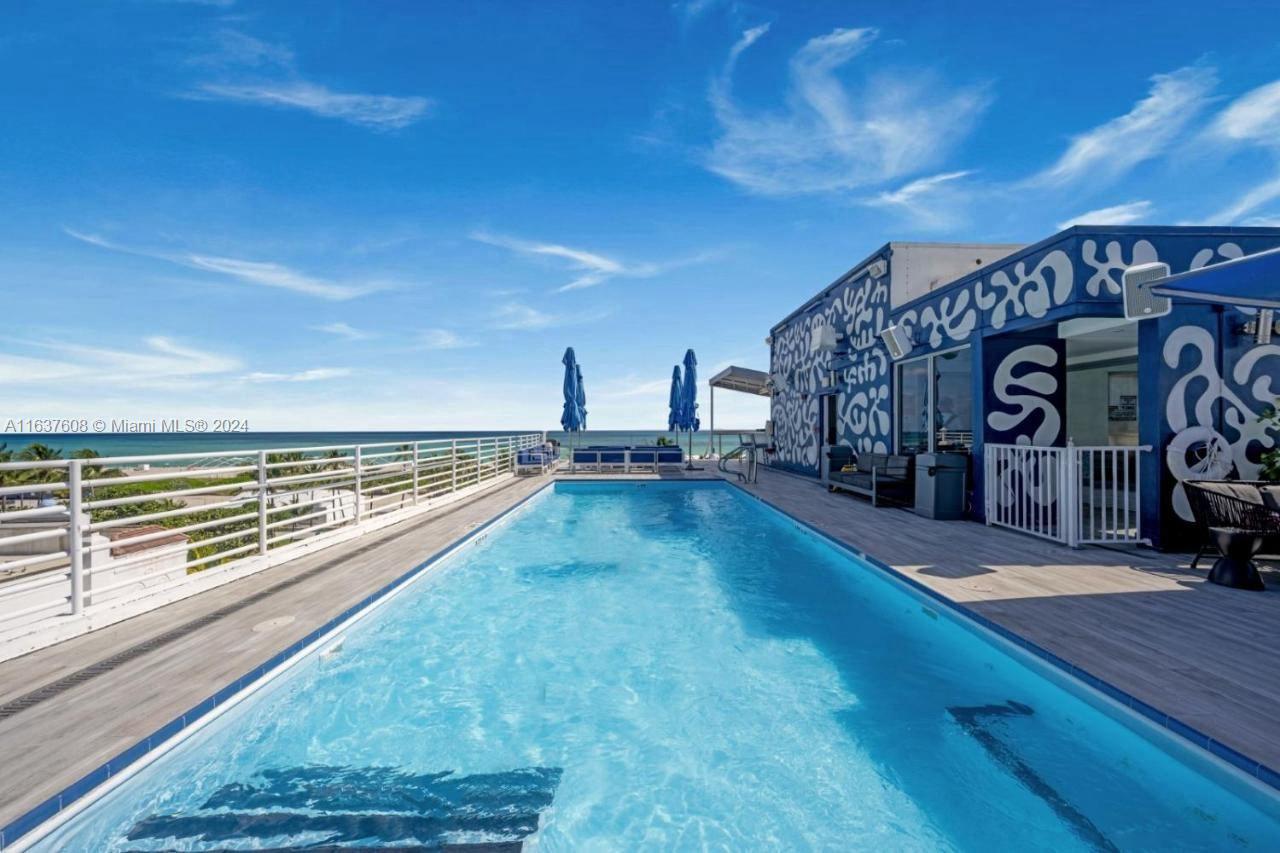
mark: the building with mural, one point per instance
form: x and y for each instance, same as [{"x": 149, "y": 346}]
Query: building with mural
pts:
[{"x": 1010, "y": 347}]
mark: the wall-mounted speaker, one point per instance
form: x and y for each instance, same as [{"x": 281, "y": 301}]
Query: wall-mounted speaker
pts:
[
  {"x": 1139, "y": 302},
  {"x": 897, "y": 341}
]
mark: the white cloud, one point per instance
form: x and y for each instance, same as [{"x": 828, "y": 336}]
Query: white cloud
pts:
[
  {"x": 253, "y": 71},
  {"x": 1111, "y": 149},
  {"x": 443, "y": 339},
  {"x": 228, "y": 47},
  {"x": 524, "y": 317},
  {"x": 1253, "y": 117},
  {"x": 343, "y": 330},
  {"x": 1255, "y": 198},
  {"x": 689, "y": 11},
  {"x": 263, "y": 273},
  {"x": 592, "y": 267},
  {"x": 1119, "y": 214},
  {"x": 832, "y": 137},
  {"x": 382, "y": 112},
  {"x": 927, "y": 200},
  {"x": 315, "y": 374},
  {"x": 160, "y": 360}
]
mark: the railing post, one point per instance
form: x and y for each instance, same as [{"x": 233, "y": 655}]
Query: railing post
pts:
[
  {"x": 453, "y": 455},
  {"x": 359, "y": 484},
  {"x": 988, "y": 481},
  {"x": 75, "y": 535},
  {"x": 415, "y": 473},
  {"x": 262, "y": 502},
  {"x": 1067, "y": 496}
]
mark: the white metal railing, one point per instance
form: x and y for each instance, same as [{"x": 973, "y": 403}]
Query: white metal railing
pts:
[
  {"x": 1073, "y": 495},
  {"x": 77, "y": 535}
]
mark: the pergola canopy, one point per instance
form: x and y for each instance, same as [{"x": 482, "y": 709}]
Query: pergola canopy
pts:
[{"x": 742, "y": 379}]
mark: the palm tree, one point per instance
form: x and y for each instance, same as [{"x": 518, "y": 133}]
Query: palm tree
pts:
[
  {"x": 88, "y": 453},
  {"x": 38, "y": 452}
]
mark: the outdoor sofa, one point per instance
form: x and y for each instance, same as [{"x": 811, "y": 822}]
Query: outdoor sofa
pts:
[
  {"x": 534, "y": 460},
  {"x": 1240, "y": 519},
  {"x": 875, "y": 475}
]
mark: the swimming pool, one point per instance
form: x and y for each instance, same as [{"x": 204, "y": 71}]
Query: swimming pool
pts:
[{"x": 667, "y": 665}]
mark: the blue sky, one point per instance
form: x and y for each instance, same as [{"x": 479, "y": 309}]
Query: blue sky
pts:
[{"x": 340, "y": 215}]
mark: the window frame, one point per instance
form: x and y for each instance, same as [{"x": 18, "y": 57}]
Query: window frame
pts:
[{"x": 927, "y": 358}]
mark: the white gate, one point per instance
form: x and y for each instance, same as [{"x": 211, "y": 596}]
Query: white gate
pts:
[{"x": 1073, "y": 495}]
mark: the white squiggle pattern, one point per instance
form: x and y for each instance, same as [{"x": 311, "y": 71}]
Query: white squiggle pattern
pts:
[
  {"x": 1042, "y": 384},
  {"x": 1106, "y": 273},
  {"x": 1030, "y": 294},
  {"x": 1240, "y": 417},
  {"x": 953, "y": 318},
  {"x": 858, "y": 311}
]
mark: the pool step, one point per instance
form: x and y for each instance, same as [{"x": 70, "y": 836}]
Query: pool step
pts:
[{"x": 350, "y": 808}]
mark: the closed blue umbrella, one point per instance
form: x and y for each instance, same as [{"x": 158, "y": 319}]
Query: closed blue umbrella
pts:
[
  {"x": 582, "y": 399},
  {"x": 689, "y": 401},
  {"x": 675, "y": 401},
  {"x": 571, "y": 418},
  {"x": 689, "y": 389}
]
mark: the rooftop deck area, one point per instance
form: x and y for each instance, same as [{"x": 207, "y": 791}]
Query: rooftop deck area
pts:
[{"x": 1141, "y": 621}]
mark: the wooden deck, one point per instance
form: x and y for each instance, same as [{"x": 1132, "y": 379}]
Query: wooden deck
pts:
[{"x": 1140, "y": 620}]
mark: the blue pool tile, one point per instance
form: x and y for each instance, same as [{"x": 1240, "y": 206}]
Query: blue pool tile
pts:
[
  {"x": 227, "y": 692},
  {"x": 130, "y": 755},
  {"x": 198, "y": 711},
  {"x": 1151, "y": 712},
  {"x": 31, "y": 819},
  {"x": 1228, "y": 754},
  {"x": 1268, "y": 776},
  {"x": 83, "y": 785},
  {"x": 162, "y": 734},
  {"x": 1194, "y": 735}
]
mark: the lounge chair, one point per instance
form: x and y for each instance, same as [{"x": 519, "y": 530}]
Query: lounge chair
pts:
[
  {"x": 1235, "y": 520},
  {"x": 878, "y": 475}
]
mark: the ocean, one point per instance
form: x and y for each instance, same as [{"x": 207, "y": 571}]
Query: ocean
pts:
[{"x": 142, "y": 444}]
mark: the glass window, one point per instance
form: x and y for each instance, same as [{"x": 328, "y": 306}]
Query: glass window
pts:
[
  {"x": 935, "y": 403},
  {"x": 953, "y": 401},
  {"x": 913, "y": 406}
]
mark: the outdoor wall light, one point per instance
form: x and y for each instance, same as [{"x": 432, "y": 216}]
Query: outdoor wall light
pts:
[{"x": 1262, "y": 327}]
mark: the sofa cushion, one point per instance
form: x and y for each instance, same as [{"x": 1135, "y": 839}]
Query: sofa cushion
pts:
[
  {"x": 867, "y": 461},
  {"x": 840, "y": 456}
]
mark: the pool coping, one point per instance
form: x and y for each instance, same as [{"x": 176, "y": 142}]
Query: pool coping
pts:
[
  {"x": 42, "y": 819},
  {"x": 39, "y": 821},
  {"x": 1251, "y": 768}
]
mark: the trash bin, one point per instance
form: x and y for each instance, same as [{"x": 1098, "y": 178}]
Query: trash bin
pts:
[{"x": 940, "y": 481}]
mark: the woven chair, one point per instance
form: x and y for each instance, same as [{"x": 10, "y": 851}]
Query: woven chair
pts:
[{"x": 1234, "y": 521}]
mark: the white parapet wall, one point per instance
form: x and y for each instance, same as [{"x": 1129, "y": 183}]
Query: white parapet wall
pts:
[{"x": 152, "y": 530}]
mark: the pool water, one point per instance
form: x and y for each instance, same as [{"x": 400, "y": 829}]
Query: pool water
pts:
[{"x": 670, "y": 666}]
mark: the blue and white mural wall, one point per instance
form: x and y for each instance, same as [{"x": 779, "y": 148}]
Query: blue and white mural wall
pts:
[
  {"x": 857, "y": 309},
  {"x": 1203, "y": 385}
]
